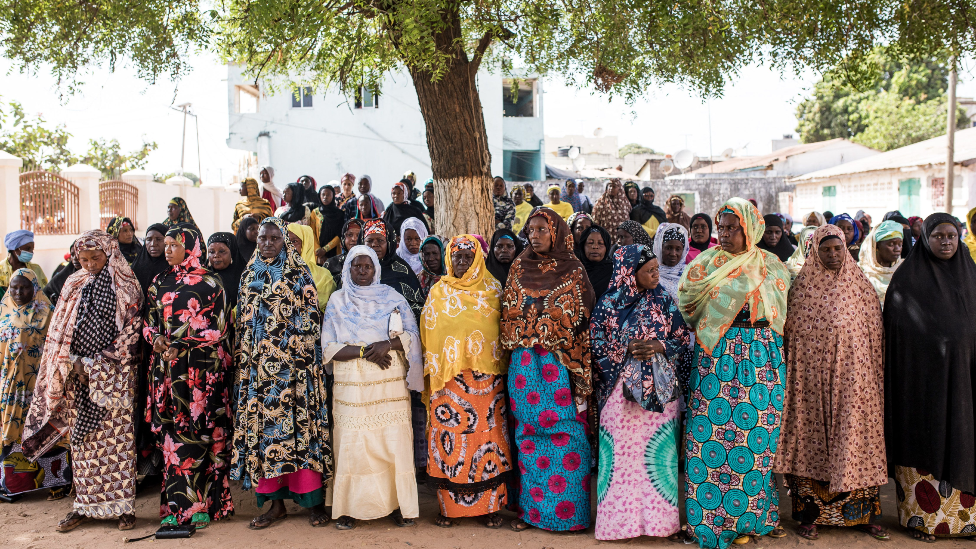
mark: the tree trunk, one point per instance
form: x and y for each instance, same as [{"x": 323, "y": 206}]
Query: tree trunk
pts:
[{"x": 457, "y": 142}]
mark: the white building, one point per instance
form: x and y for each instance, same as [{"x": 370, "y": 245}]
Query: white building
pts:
[
  {"x": 910, "y": 179},
  {"x": 380, "y": 133},
  {"x": 789, "y": 161}
]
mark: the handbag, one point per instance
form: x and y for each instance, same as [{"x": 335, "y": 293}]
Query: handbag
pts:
[
  {"x": 665, "y": 383},
  {"x": 396, "y": 324}
]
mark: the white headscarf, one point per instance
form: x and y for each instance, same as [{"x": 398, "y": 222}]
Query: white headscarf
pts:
[
  {"x": 414, "y": 260},
  {"x": 360, "y": 315},
  {"x": 670, "y": 275},
  {"x": 270, "y": 186}
]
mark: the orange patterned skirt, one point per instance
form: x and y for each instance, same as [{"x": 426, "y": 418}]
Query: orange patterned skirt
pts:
[{"x": 469, "y": 452}]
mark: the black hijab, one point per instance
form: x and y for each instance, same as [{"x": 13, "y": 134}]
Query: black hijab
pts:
[
  {"x": 498, "y": 269},
  {"x": 646, "y": 209},
  {"x": 708, "y": 221},
  {"x": 334, "y": 264},
  {"x": 930, "y": 357},
  {"x": 146, "y": 267},
  {"x": 783, "y": 249},
  {"x": 396, "y": 214},
  {"x": 311, "y": 195},
  {"x": 296, "y": 207},
  {"x": 599, "y": 272},
  {"x": 231, "y": 276},
  {"x": 244, "y": 246},
  {"x": 333, "y": 221},
  {"x": 395, "y": 272}
]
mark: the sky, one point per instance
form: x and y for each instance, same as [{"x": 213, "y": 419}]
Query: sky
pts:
[{"x": 758, "y": 106}]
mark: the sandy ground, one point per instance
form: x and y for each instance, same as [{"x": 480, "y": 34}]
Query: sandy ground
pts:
[{"x": 29, "y": 524}]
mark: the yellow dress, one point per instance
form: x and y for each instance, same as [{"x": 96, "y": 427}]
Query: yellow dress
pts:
[
  {"x": 522, "y": 212},
  {"x": 324, "y": 283},
  {"x": 564, "y": 209}
]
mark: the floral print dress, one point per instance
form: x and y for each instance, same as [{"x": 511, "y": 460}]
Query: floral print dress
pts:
[{"x": 188, "y": 398}]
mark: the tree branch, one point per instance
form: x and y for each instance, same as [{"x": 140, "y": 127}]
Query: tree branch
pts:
[{"x": 479, "y": 53}]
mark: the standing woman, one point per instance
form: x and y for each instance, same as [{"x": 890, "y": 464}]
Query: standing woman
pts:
[
  {"x": 270, "y": 191},
  {"x": 930, "y": 356},
  {"x": 247, "y": 238},
  {"x": 24, "y": 316},
  {"x": 370, "y": 336},
  {"x": 352, "y": 235},
  {"x": 671, "y": 247},
  {"x": 595, "y": 252},
  {"x": 734, "y": 297},
  {"x": 432, "y": 254},
  {"x": 505, "y": 247},
  {"x": 470, "y": 457},
  {"x": 546, "y": 324},
  {"x": 281, "y": 442},
  {"x": 631, "y": 232},
  {"x": 852, "y": 232},
  {"x": 579, "y": 222},
  {"x": 774, "y": 239},
  {"x": 396, "y": 273},
  {"x": 86, "y": 385},
  {"x": 189, "y": 380},
  {"x": 522, "y": 208},
  {"x": 637, "y": 489},
  {"x": 831, "y": 447},
  {"x": 178, "y": 212},
  {"x": 252, "y": 205},
  {"x": 124, "y": 231},
  {"x": 413, "y": 232},
  {"x": 881, "y": 255},
  {"x": 295, "y": 210},
  {"x": 701, "y": 237},
  {"x": 333, "y": 219},
  {"x": 612, "y": 208},
  {"x": 224, "y": 259},
  {"x": 301, "y": 237}
]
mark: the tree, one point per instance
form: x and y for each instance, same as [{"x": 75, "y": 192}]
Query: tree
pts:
[
  {"x": 108, "y": 158},
  {"x": 634, "y": 148},
  {"x": 30, "y": 138},
  {"x": 621, "y": 48}
]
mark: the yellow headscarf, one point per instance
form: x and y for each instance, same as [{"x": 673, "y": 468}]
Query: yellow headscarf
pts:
[
  {"x": 460, "y": 328},
  {"x": 716, "y": 285},
  {"x": 970, "y": 239},
  {"x": 324, "y": 283}
]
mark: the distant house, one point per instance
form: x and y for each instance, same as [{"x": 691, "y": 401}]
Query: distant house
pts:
[
  {"x": 910, "y": 179},
  {"x": 790, "y": 161}
]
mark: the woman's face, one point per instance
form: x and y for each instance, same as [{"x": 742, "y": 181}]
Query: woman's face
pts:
[
  {"x": 498, "y": 186},
  {"x": 351, "y": 238},
  {"x": 461, "y": 260},
  {"x": 365, "y": 212},
  {"x": 326, "y": 194},
  {"x": 219, "y": 255},
  {"x": 288, "y": 195},
  {"x": 154, "y": 243},
  {"x": 306, "y": 183},
  {"x": 251, "y": 233},
  {"x": 21, "y": 290},
  {"x": 811, "y": 220},
  {"x": 126, "y": 234},
  {"x": 540, "y": 238},
  {"x": 594, "y": 247},
  {"x": 615, "y": 188},
  {"x": 378, "y": 243},
  {"x": 93, "y": 261},
  {"x": 699, "y": 231},
  {"x": 944, "y": 241},
  {"x": 831, "y": 252},
  {"x": 296, "y": 240},
  {"x": 772, "y": 235},
  {"x": 265, "y": 176},
  {"x": 917, "y": 228},
  {"x": 632, "y": 194},
  {"x": 848, "y": 229},
  {"x": 889, "y": 251},
  {"x": 518, "y": 196},
  {"x": 432, "y": 257},
  {"x": 347, "y": 187},
  {"x": 581, "y": 226},
  {"x": 554, "y": 196},
  {"x": 671, "y": 252},
  {"x": 397, "y": 194},
  {"x": 173, "y": 210},
  {"x": 362, "y": 270},
  {"x": 429, "y": 198},
  {"x": 412, "y": 241},
  {"x": 624, "y": 238},
  {"x": 730, "y": 234},
  {"x": 364, "y": 186},
  {"x": 649, "y": 275},
  {"x": 173, "y": 250},
  {"x": 504, "y": 250},
  {"x": 270, "y": 241}
]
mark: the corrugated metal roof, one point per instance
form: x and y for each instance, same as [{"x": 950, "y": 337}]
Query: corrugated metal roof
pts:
[
  {"x": 763, "y": 161},
  {"x": 923, "y": 153}
]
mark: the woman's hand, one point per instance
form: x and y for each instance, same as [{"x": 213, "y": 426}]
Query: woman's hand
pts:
[
  {"x": 379, "y": 353},
  {"x": 644, "y": 349},
  {"x": 160, "y": 344},
  {"x": 170, "y": 354},
  {"x": 79, "y": 369},
  {"x": 320, "y": 256}
]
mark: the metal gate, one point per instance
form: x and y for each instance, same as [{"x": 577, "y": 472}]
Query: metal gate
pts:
[
  {"x": 117, "y": 198},
  {"x": 48, "y": 204}
]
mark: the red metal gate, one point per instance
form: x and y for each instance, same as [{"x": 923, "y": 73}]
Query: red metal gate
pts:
[
  {"x": 48, "y": 204},
  {"x": 117, "y": 198}
]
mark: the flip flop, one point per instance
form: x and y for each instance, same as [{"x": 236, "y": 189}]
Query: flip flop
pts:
[
  {"x": 255, "y": 525},
  {"x": 72, "y": 521}
]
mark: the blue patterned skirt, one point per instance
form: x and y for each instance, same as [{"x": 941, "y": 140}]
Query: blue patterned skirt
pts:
[{"x": 732, "y": 431}]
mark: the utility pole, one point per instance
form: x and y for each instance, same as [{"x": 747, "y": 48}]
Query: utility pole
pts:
[
  {"x": 196, "y": 122},
  {"x": 950, "y": 175},
  {"x": 185, "y": 107}
]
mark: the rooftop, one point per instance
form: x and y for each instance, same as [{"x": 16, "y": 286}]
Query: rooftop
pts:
[{"x": 765, "y": 161}]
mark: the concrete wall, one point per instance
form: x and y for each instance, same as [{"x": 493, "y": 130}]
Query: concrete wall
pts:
[
  {"x": 821, "y": 159},
  {"x": 712, "y": 192}
]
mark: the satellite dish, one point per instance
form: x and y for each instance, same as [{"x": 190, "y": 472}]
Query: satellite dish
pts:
[
  {"x": 598, "y": 132},
  {"x": 727, "y": 153},
  {"x": 683, "y": 159},
  {"x": 573, "y": 153},
  {"x": 667, "y": 166},
  {"x": 579, "y": 162}
]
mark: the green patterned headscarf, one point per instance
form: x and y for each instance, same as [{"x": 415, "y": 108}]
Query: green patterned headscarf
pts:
[{"x": 185, "y": 215}]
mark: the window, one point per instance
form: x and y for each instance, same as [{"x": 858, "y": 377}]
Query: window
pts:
[
  {"x": 522, "y": 102},
  {"x": 908, "y": 196},
  {"x": 301, "y": 99},
  {"x": 246, "y": 99},
  {"x": 829, "y": 195},
  {"x": 367, "y": 98}
]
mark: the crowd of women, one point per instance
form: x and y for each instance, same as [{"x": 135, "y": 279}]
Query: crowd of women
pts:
[{"x": 336, "y": 356}]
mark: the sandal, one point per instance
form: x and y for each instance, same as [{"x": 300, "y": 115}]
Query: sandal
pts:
[
  {"x": 443, "y": 522},
  {"x": 345, "y": 523},
  {"x": 808, "y": 531},
  {"x": 319, "y": 519},
  {"x": 127, "y": 522},
  {"x": 59, "y": 492},
  {"x": 875, "y": 531},
  {"x": 398, "y": 519},
  {"x": 200, "y": 520},
  {"x": 742, "y": 540},
  {"x": 520, "y": 525},
  {"x": 681, "y": 537},
  {"x": 72, "y": 521},
  {"x": 922, "y": 536},
  {"x": 261, "y": 522},
  {"x": 494, "y": 521},
  {"x": 170, "y": 520},
  {"x": 777, "y": 533}
]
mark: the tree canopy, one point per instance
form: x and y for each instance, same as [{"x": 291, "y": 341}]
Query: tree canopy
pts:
[{"x": 634, "y": 148}]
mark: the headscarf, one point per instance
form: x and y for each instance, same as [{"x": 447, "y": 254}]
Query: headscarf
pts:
[
  {"x": 930, "y": 356},
  {"x": 599, "y": 272},
  {"x": 631, "y": 185},
  {"x": 821, "y": 220},
  {"x": 498, "y": 269},
  {"x": 609, "y": 212},
  {"x": 372, "y": 206},
  {"x": 324, "y": 284},
  {"x": 970, "y": 238},
  {"x": 897, "y": 217},
  {"x": 668, "y": 232},
  {"x": 252, "y": 204},
  {"x": 245, "y": 246},
  {"x": 635, "y": 230},
  {"x": 396, "y": 273},
  {"x": 783, "y": 249},
  {"x": 130, "y": 250},
  {"x": 460, "y": 327},
  {"x": 270, "y": 185},
  {"x": 146, "y": 267},
  {"x": 398, "y": 214},
  {"x": 879, "y": 275},
  {"x": 646, "y": 209},
  {"x": 294, "y": 211},
  {"x": 22, "y": 332},
  {"x": 52, "y": 413},
  {"x": 428, "y": 278},
  {"x": 54, "y": 286},
  {"x": 17, "y": 238},
  {"x": 799, "y": 257},
  {"x": 626, "y": 313},
  {"x": 414, "y": 260},
  {"x": 717, "y": 284},
  {"x": 855, "y": 224},
  {"x": 573, "y": 199},
  {"x": 231, "y": 276},
  {"x": 333, "y": 220},
  {"x": 547, "y": 302},
  {"x": 708, "y": 243},
  {"x": 834, "y": 360},
  {"x": 184, "y": 216},
  {"x": 360, "y": 315},
  {"x": 311, "y": 195},
  {"x": 576, "y": 218}
]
